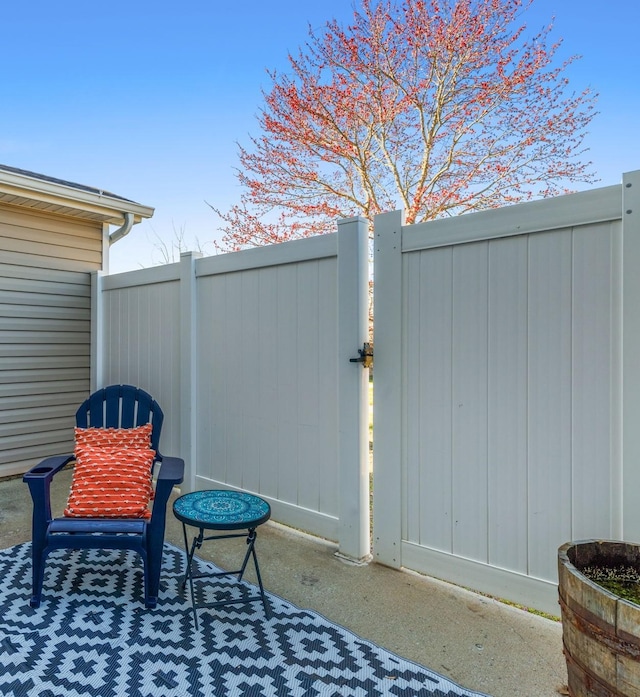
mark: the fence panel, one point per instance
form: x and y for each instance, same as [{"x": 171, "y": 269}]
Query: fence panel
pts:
[
  {"x": 268, "y": 384},
  {"x": 138, "y": 318},
  {"x": 498, "y": 337}
]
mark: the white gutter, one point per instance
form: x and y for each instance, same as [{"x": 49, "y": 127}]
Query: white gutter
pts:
[{"x": 124, "y": 230}]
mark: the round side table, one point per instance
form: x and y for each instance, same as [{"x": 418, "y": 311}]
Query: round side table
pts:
[{"x": 223, "y": 511}]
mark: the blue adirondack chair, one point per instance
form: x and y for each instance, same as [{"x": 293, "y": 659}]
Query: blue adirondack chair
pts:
[{"x": 116, "y": 406}]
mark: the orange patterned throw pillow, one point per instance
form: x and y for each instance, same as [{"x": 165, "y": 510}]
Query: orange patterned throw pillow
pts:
[
  {"x": 111, "y": 482},
  {"x": 93, "y": 437}
]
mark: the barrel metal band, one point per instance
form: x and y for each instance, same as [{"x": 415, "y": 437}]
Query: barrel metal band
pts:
[{"x": 598, "y": 633}]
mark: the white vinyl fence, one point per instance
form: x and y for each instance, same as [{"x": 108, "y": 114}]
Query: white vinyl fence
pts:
[
  {"x": 249, "y": 356},
  {"x": 507, "y": 392},
  {"x": 507, "y": 382}
]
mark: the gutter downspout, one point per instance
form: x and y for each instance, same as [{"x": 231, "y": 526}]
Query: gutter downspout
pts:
[{"x": 122, "y": 231}]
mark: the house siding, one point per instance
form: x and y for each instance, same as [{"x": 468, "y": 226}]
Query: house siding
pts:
[{"x": 45, "y": 327}]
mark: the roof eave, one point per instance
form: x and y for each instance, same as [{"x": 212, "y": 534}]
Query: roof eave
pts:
[{"x": 31, "y": 192}]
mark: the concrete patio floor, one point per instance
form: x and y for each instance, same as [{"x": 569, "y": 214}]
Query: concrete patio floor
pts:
[{"x": 476, "y": 641}]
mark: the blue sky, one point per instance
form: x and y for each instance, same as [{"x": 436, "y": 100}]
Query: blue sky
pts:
[{"x": 148, "y": 99}]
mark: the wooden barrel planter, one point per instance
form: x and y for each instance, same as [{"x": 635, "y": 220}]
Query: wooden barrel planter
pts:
[{"x": 600, "y": 631}]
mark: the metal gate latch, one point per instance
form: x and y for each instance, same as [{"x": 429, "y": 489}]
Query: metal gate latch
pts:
[{"x": 365, "y": 357}]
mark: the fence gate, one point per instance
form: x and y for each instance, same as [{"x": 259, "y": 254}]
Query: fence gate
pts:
[{"x": 503, "y": 340}]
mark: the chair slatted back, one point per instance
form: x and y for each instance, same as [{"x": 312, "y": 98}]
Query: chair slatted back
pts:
[{"x": 121, "y": 406}]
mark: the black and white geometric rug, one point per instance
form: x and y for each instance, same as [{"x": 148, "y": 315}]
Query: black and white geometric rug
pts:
[{"x": 93, "y": 637}]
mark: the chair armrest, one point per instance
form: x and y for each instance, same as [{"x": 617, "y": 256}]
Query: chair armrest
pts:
[
  {"x": 46, "y": 469},
  {"x": 39, "y": 480},
  {"x": 171, "y": 473},
  {"x": 171, "y": 470}
]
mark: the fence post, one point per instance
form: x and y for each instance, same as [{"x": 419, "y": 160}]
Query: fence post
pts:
[
  {"x": 96, "y": 378},
  {"x": 97, "y": 352},
  {"x": 630, "y": 353},
  {"x": 188, "y": 377},
  {"x": 387, "y": 408},
  {"x": 353, "y": 390}
]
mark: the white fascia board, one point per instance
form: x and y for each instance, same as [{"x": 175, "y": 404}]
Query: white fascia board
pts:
[{"x": 109, "y": 207}]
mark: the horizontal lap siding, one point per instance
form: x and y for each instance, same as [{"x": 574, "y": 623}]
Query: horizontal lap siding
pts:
[
  {"x": 45, "y": 326},
  {"x": 42, "y": 242}
]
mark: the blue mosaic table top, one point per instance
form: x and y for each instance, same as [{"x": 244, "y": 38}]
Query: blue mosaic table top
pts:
[{"x": 220, "y": 509}]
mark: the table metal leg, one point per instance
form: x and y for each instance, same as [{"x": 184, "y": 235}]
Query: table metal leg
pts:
[
  {"x": 251, "y": 551},
  {"x": 251, "y": 537},
  {"x": 188, "y": 573}
]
